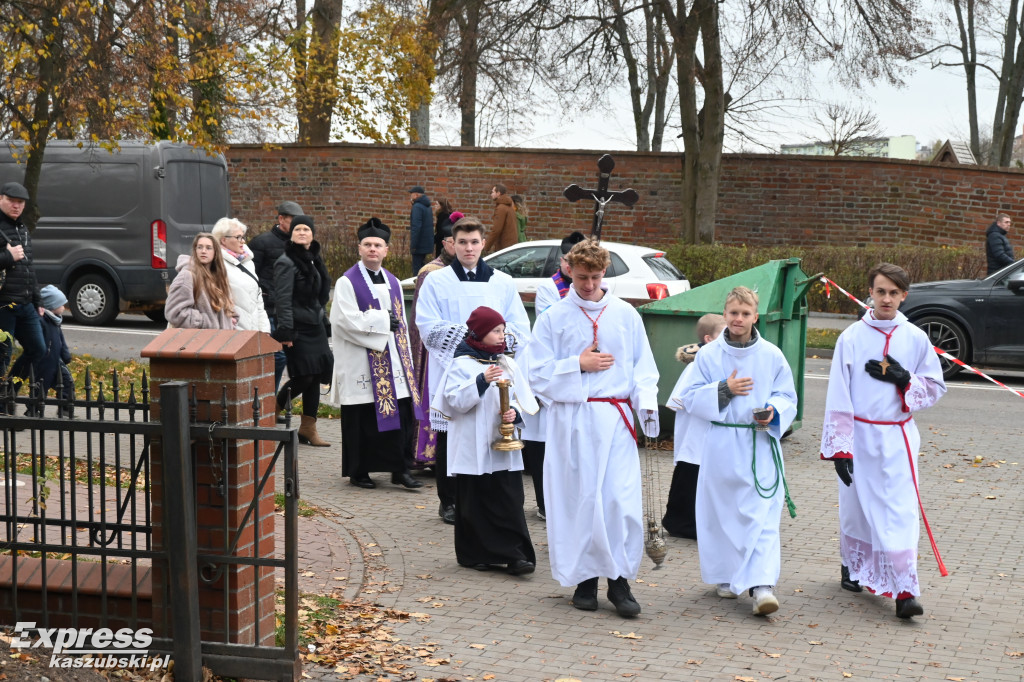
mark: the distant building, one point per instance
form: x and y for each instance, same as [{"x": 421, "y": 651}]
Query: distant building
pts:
[{"x": 899, "y": 147}]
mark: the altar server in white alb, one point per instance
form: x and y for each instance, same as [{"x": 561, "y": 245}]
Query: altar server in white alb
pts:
[
  {"x": 884, "y": 369},
  {"x": 490, "y": 526},
  {"x": 549, "y": 292},
  {"x": 591, "y": 363},
  {"x": 372, "y": 366},
  {"x": 447, "y": 298},
  {"x": 680, "y": 519},
  {"x": 743, "y": 387}
]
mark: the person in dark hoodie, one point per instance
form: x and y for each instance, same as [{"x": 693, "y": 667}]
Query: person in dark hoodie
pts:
[
  {"x": 421, "y": 227},
  {"x": 998, "y": 251},
  {"x": 20, "y": 303}
]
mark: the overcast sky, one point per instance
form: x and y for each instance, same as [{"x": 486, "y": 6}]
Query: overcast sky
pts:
[{"x": 931, "y": 106}]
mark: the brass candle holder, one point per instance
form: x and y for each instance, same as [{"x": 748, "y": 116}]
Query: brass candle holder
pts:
[{"x": 505, "y": 442}]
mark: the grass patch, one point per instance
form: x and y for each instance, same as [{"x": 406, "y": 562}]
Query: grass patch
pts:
[
  {"x": 823, "y": 338},
  {"x": 305, "y": 509}
]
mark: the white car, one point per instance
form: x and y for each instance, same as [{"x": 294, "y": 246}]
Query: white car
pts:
[{"x": 637, "y": 273}]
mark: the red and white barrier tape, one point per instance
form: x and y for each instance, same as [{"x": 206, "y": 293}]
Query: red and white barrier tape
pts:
[
  {"x": 978, "y": 372},
  {"x": 828, "y": 294}
]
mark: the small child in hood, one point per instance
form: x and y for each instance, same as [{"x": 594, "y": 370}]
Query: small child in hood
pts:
[{"x": 53, "y": 364}]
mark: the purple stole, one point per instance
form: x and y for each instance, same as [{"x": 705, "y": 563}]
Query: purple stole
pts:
[
  {"x": 560, "y": 283},
  {"x": 382, "y": 376}
]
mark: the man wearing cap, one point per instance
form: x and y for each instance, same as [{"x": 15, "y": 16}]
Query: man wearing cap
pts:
[
  {"x": 421, "y": 227},
  {"x": 266, "y": 249},
  {"x": 372, "y": 366},
  {"x": 426, "y": 439},
  {"x": 21, "y": 305}
]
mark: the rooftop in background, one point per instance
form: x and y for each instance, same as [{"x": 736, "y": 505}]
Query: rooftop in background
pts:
[
  {"x": 955, "y": 151},
  {"x": 899, "y": 147}
]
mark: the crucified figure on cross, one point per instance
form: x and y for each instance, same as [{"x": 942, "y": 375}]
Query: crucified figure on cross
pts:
[{"x": 602, "y": 195}]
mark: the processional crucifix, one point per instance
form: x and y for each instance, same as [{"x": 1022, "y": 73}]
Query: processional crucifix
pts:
[
  {"x": 602, "y": 195},
  {"x": 654, "y": 541}
]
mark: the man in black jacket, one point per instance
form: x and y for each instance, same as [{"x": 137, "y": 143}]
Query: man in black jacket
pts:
[
  {"x": 266, "y": 249},
  {"x": 998, "y": 251},
  {"x": 21, "y": 305}
]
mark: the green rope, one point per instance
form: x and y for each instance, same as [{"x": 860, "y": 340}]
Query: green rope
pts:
[{"x": 766, "y": 492}]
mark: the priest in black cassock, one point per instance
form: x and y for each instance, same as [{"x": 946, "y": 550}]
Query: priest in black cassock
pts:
[{"x": 373, "y": 366}]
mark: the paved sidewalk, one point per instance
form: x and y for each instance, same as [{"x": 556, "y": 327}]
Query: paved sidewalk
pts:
[{"x": 525, "y": 628}]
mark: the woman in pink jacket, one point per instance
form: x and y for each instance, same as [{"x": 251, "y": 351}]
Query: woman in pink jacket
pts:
[{"x": 200, "y": 297}]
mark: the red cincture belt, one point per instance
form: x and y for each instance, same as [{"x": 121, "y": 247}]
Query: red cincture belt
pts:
[
  {"x": 618, "y": 403},
  {"x": 913, "y": 475}
]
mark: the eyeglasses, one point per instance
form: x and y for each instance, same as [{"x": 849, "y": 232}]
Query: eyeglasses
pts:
[{"x": 239, "y": 237}]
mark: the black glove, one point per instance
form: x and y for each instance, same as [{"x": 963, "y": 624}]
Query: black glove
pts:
[
  {"x": 844, "y": 470},
  {"x": 395, "y": 322},
  {"x": 894, "y": 372}
]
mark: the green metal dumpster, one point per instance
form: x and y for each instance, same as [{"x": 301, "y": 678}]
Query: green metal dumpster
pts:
[{"x": 782, "y": 319}]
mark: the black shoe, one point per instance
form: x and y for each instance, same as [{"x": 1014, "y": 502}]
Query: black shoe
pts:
[
  {"x": 448, "y": 514},
  {"x": 585, "y": 597},
  {"x": 480, "y": 567},
  {"x": 908, "y": 608},
  {"x": 520, "y": 567},
  {"x": 620, "y": 597},
  {"x": 405, "y": 479},
  {"x": 363, "y": 481},
  {"x": 847, "y": 584}
]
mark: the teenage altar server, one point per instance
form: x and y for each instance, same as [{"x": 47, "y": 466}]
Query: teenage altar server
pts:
[
  {"x": 447, "y": 298},
  {"x": 591, "y": 363},
  {"x": 741, "y": 486},
  {"x": 884, "y": 369},
  {"x": 490, "y": 526}
]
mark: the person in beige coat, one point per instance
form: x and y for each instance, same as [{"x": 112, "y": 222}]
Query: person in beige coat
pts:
[
  {"x": 504, "y": 228},
  {"x": 245, "y": 285},
  {"x": 199, "y": 296}
]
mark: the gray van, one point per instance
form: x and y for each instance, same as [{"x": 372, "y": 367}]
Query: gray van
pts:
[{"x": 114, "y": 222}]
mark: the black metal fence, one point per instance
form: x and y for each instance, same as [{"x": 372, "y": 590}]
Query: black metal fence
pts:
[{"x": 77, "y": 478}]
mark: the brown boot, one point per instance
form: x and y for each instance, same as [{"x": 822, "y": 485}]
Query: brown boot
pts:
[{"x": 308, "y": 434}]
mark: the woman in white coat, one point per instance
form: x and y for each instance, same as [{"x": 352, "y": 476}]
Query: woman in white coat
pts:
[{"x": 245, "y": 286}]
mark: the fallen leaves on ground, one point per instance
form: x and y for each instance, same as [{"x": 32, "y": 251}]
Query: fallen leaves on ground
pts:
[
  {"x": 628, "y": 635},
  {"x": 356, "y": 638}
]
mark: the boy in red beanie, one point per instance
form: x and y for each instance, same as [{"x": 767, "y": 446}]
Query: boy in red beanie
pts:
[{"x": 490, "y": 525}]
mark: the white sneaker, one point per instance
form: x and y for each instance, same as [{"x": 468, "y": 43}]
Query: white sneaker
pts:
[
  {"x": 765, "y": 601},
  {"x": 723, "y": 591}
]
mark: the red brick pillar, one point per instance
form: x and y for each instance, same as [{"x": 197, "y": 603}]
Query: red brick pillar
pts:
[{"x": 243, "y": 363}]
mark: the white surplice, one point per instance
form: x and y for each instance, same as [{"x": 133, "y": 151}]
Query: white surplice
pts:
[
  {"x": 591, "y": 467},
  {"x": 444, "y": 305},
  {"x": 353, "y": 331},
  {"x": 737, "y": 528},
  {"x": 546, "y": 296},
  {"x": 473, "y": 421},
  {"x": 878, "y": 514},
  {"x": 689, "y": 433}
]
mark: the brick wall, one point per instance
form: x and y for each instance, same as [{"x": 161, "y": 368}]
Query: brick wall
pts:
[{"x": 764, "y": 199}]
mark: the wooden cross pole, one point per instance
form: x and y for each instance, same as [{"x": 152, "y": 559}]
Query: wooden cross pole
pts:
[{"x": 602, "y": 195}]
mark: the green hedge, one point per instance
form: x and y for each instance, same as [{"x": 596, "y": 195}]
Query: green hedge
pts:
[{"x": 846, "y": 266}]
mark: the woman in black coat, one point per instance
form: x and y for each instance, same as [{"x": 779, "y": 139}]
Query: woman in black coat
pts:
[{"x": 301, "y": 289}]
